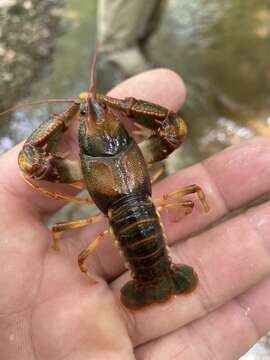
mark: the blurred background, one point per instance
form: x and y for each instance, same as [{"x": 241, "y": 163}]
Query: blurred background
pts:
[{"x": 220, "y": 48}]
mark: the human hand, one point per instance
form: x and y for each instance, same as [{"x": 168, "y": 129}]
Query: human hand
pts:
[{"x": 50, "y": 310}]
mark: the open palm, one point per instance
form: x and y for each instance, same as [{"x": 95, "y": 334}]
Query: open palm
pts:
[{"x": 49, "y": 310}]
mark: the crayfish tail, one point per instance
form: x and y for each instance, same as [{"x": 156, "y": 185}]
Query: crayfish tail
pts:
[
  {"x": 181, "y": 280},
  {"x": 135, "y": 295}
]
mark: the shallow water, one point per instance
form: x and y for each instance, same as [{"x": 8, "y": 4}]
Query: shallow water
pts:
[{"x": 221, "y": 51}]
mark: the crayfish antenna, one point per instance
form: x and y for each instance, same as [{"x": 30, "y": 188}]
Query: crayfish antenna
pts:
[
  {"x": 92, "y": 91},
  {"x": 92, "y": 82},
  {"x": 37, "y": 102}
]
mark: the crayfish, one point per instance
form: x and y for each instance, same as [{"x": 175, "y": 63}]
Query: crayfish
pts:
[{"x": 114, "y": 170}]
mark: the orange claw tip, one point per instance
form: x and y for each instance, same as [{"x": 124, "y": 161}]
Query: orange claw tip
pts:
[
  {"x": 55, "y": 247},
  {"x": 204, "y": 203},
  {"x": 206, "y": 207}
]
